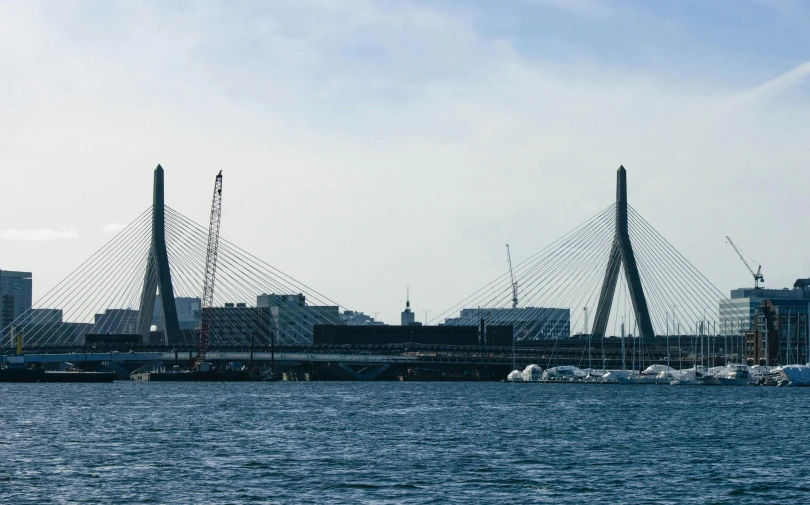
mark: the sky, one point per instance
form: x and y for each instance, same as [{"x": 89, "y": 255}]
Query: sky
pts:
[{"x": 368, "y": 145}]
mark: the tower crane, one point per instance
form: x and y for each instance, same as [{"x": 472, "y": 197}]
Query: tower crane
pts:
[
  {"x": 512, "y": 276},
  {"x": 210, "y": 269},
  {"x": 758, "y": 275}
]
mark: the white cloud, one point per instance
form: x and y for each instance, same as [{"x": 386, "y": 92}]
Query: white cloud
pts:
[
  {"x": 370, "y": 122},
  {"x": 39, "y": 234},
  {"x": 781, "y": 84},
  {"x": 113, "y": 227},
  {"x": 582, "y": 7}
]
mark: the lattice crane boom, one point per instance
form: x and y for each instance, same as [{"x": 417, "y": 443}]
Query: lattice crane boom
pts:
[
  {"x": 210, "y": 269},
  {"x": 758, "y": 275},
  {"x": 512, "y": 276}
]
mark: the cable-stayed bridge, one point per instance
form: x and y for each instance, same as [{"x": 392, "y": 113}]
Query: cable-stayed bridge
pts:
[
  {"x": 613, "y": 275},
  {"x": 146, "y": 283}
]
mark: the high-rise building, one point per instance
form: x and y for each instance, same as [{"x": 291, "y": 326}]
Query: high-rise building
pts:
[
  {"x": 188, "y": 313},
  {"x": 737, "y": 313},
  {"x": 293, "y": 321},
  {"x": 238, "y": 325},
  {"x": 15, "y": 296}
]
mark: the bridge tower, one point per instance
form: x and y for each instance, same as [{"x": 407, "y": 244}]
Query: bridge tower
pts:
[
  {"x": 158, "y": 276},
  {"x": 621, "y": 254}
]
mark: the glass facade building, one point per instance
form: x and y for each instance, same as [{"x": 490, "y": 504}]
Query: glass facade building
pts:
[{"x": 737, "y": 313}]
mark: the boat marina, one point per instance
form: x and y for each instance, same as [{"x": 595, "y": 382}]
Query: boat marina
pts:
[{"x": 728, "y": 375}]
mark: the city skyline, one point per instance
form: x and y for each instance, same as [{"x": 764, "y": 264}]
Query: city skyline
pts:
[
  {"x": 436, "y": 134},
  {"x": 374, "y": 251}
]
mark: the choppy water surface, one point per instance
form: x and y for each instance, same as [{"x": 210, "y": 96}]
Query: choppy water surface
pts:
[{"x": 402, "y": 443}]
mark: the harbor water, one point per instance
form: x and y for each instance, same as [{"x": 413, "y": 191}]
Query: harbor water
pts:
[{"x": 352, "y": 442}]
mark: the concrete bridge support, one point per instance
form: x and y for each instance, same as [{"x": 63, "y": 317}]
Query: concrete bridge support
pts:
[
  {"x": 621, "y": 254},
  {"x": 158, "y": 275}
]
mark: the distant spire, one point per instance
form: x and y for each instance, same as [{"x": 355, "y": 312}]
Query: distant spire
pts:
[{"x": 407, "y": 297}]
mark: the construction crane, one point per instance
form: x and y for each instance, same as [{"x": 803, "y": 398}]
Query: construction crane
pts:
[
  {"x": 512, "y": 276},
  {"x": 758, "y": 275},
  {"x": 210, "y": 269}
]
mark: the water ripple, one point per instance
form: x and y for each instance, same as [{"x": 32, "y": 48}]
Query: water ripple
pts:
[{"x": 133, "y": 443}]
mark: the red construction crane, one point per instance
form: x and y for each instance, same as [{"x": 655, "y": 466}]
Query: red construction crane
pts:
[{"x": 210, "y": 269}]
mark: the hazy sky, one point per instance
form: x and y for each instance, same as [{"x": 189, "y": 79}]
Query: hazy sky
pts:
[{"x": 366, "y": 145}]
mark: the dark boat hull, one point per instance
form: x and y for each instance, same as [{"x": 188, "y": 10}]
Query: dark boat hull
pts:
[
  {"x": 195, "y": 376},
  {"x": 78, "y": 377},
  {"x": 20, "y": 375},
  {"x": 29, "y": 375}
]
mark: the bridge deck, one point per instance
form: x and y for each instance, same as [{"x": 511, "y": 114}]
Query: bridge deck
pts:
[{"x": 243, "y": 356}]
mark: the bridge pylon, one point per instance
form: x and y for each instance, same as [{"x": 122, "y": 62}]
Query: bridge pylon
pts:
[
  {"x": 621, "y": 254},
  {"x": 158, "y": 276}
]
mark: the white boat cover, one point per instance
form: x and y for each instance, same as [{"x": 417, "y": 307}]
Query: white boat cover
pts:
[
  {"x": 729, "y": 369},
  {"x": 688, "y": 374},
  {"x": 563, "y": 371},
  {"x": 515, "y": 376},
  {"x": 798, "y": 375},
  {"x": 699, "y": 368},
  {"x": 615, "y": 375},
  {"x": 532, "y": 373},
  {"x": 656, "y": 369}
]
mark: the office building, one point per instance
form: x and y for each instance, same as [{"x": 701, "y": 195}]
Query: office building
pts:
[
  {"x": 285, "y": 318},
  {"x": 237, "y": 324},
  {"x": 355, "y": 318},
  {"x": 45, "y": 327},
  {"x": 737, "y": 312},
  {"x": 188, "y": 313},
  {"x": 116, "y": 322},
  {"x": 15, "y": 296},
  {"x": 528, "y": 323},
  {"x": 292, "y": 320}
]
